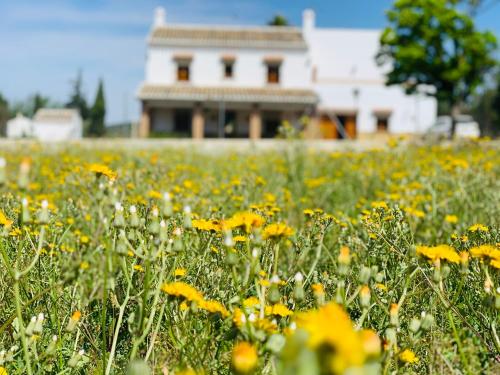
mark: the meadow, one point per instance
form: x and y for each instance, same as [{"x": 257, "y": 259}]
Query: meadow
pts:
[{"x": 291, "y": 261}]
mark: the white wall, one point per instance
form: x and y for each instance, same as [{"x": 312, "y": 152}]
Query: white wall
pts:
[
  {"x": 206, "y": 68},
  {"x": 48, "y": 131},
  {"x": 344, "y": 63}
]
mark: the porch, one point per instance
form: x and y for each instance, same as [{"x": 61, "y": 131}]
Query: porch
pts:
[{"x": 186, "y": 111}]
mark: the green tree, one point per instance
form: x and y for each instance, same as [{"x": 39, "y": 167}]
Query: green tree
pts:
[
  {"x": 278, "y": 20},
  {"x": 98, "y": 113},
  {"x": 495, "y": 107},
  {"x": 431, "y": 42},
  {"x": 77, "y": 98},
  {"x": 4, "y": 114}
]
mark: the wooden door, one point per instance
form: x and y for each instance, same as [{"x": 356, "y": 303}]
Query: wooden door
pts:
[
  {"x": 350, "y": 126},
  {"x": 327, "y": 128}
]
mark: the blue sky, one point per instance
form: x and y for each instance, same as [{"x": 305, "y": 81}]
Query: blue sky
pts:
[{"x": 44, "y": 43}]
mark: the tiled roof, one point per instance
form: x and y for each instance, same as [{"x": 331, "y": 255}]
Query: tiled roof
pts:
[
  {"x": 228, "y": 94},
  {"x": 55, "y": 115},
  {"x": 263, "y": 37}
]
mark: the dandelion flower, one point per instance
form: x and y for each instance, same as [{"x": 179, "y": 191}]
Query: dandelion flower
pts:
[
  {"x": 407, "y": 356},
  {"x": 244, "y": 357},
  {"x": 277, "y": 230}
]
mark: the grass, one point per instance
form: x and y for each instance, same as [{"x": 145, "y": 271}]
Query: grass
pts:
[{"x": 284, "y": 262}]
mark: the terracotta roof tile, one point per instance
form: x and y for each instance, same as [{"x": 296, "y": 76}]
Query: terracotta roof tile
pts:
[{"x": 264, "y": 37}]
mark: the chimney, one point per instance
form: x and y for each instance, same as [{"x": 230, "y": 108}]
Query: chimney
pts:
[
  {"x": 308, "y": 20},
  {"x": 160, "y": 17}
]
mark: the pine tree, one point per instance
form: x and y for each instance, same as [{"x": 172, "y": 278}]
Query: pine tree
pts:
[
  {"x": 4, "y": 114},
  {"x": 77, "y": 99},
  {"x": 98, "y": 113}
]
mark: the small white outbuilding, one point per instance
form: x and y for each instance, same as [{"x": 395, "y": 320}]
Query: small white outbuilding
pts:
[
  {"x": 20, "y": 127},
  {"x": 50, "y": 124}
]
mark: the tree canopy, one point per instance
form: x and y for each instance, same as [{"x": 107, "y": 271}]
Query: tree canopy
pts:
[
  {"x": 77, "y": 98},
  {"x": 431, "y": 42},
  {"x": 98, "y": 113},
  {"x": 278, "y": 20}
]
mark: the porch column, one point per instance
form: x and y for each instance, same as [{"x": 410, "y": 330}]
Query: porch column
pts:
[
  {"x": 255, "y": 124},
  {"x": 313, "y": 130},
  {"x": 145, "y": 123},
  {"x": 197, "y": 123}
]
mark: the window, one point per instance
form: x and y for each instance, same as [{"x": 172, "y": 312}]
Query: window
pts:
[
  {"x": 382, "y": 124},
  {"x": 182, "y": 72},
  {"x": 228, "y": 69},
  {"x": 273, "y": 73},
  {"x": 382, "y": 120}
]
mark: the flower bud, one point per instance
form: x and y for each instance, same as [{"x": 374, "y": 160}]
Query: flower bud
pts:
[
  {"x": 154, "y": 225},
  {"x": 364, "y": 275},
  {"x": 31, "y": 325},
  {"x": 163, "y": 231},
  {"x": 73, "y": 321},
  {"x": 73, "y": 362},
  {"x": 427, "y": 321},
  {"x": 37, "y": 329},
  {"x": 415, "y": 325},
  {"x": 25, "y": 211},
  {"x": 134, "y": 218},
  {"x": 298, "y": 291},
  {"x": 394, "y": 315},
  {"x": 43, "y": 215},
  {"x": 119, "y": 220},
  {"x": 24, "y": 171},
  {"x": 138, "y": 367},
  {"x": 364, "y": 296},
  {"x": 274, "y": 294},
  {"x": 187, "y": 217},
  {"x": 344, "y": 260},
  {"x": 51, "y": 348},
  {"x": 167, "y": 205}
]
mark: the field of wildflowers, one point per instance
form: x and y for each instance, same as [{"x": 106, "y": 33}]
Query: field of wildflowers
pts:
[{"x": 285, "y": 262}]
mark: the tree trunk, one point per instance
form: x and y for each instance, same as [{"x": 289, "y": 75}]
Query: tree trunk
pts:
[{"x": 455, "y": 112}]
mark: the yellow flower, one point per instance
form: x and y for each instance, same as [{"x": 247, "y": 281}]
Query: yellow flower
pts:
[
  {"x": 308, "y": 212},
  {"x": 213, "y": 307},
  {"x": 278, "y": 309},
  {"x": 239, "y": 238},
  {"x": 251, "y": 302},
  {"x": 244, "y": 357},
  {"x": 180, "y": 289},
  {"x": 347, "y": 344},
  {"x": 452, "y": 219},
  {"x": 102, "y": 170},
  {"x": 380, "y": 204},
  {"x": 277, "y": 230},
  {"x": 138, "y": 268},
  {"x": 76, "y": 316},
  {"x": 443, "y": 252},
  {"x": 206, "y": 225},
  {"x": 318, "y": 288},
  {"x": 407, "y": 356},
  {"x": 4, "y": 221},
  {"x": 3, "y": 371},
  {"x": 155, "y": 194},
  {"x": 478, "y": 228},
  {"x": 244, "y": 220},
  {"x": 180, "y": 272},
  {"x": 484, "y": 251}
]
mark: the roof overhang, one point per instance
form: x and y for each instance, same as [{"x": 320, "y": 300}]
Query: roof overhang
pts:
[
  {"x": 268, "y": 95},
  {"x": 227, "y": 37}
]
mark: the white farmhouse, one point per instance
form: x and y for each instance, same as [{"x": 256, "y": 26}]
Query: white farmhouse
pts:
[
  {"x": 19, "y": 127},
  {"x": 213, "y": 81},
  {"x": 51, "y": 124}
]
